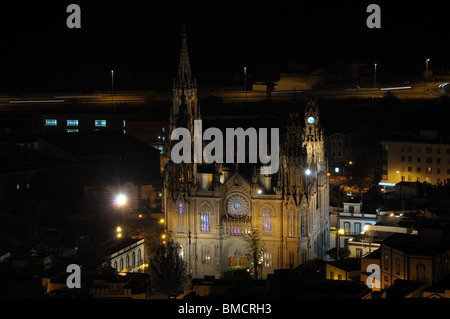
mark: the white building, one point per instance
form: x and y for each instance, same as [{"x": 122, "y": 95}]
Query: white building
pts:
[{"x": 128, "y": 255}]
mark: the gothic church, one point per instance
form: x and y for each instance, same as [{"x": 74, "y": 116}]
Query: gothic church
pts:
[{"x": 210, "y": 208}]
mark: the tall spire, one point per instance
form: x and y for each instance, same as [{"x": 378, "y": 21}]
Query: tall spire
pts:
[{"x": 184, "y": 79}]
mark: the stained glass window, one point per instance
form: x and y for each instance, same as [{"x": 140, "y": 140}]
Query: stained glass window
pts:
[
  {"x": 267, "y": 221},
  {"x": 205, "y": 219},
  {"x": 237, "y": 206},
  {"x": 180, "y": 218}
]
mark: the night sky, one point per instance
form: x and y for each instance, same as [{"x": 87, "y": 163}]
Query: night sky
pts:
[{"x": 141, "y": 40}]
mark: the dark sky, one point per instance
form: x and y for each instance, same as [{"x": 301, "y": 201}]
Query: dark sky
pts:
[{"x": 140, "y": 40}]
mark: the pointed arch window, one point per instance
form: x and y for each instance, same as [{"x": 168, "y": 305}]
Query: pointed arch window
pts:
[
  {"x": 181, "y": 218},
  {"x": 267, "y": 221},
  {"x": 303, "y": 223},
  {"x": 139, "y": 258},
  {"x": 291, "y": 222},
  {"x": 205, "y": 219},
  {"x": 206, "y": 254}
]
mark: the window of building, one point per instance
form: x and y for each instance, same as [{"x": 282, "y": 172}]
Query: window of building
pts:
[
  {"x": 419, "y": 169},
  {"x": 429, "y": 170},
  {"x": 429, "y": 160},
  {"x": 72, "y": 130},
  {"x": 438, "y": 170},
  {"x": 358, "y": 252},
  {"x": 181, "y": 218},
  {"x": 448, "y": 171},
  {"x": 339, "y": 277},
  {"x": 448, "y": 150},
  {"x": 386, "y": 262},
  {"x": 267, "y": 259},
  {"x": 291, "y": 222},
  {"x": 243, "y": 261},
  {"x": 409, "y": 168},
  {"x": 51, "y": 122},
  {"x": 418, "y": 159},
  {"x": 397, "y": 266},
  {"x": 409, "y": 159},
  {"x": 232, "y": 261},
  {"x": 332, "y": 275},
  {"x": 403, "y": 159},
  {"x": 428, "y": 150},
  {"x": 206, "y": 254},
  {"x": 72, "y": 122},
  {"x": 205, "y": 219},
  {"x": 438, "y": 161},
  {"x": 438, "y": 150},
  {"x": 339, "y": 143},
  {"x": 409, "y": 148},
  {"x": 333, "y": 144},
  {"x": 100, "y": 123},
  {"x": 139, "y": 257},
  {"x": 267, "y": 221},
  {"x": 420, "y": 272},
  {"x": 357, "y": 228},
  {"x": 303, "y": 223},
  {"x": 347, "y": 228}
]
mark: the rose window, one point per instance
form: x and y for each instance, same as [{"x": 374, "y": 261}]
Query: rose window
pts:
[{"x": 237, "y": 206}]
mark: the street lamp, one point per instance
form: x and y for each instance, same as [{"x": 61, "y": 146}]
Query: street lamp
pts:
[
  {"x": 121, "y": 200},
  {"x": 426, "y": 69}
]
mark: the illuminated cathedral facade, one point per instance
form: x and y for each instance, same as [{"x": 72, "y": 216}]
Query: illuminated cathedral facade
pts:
[{"x": 211, "y": 208}]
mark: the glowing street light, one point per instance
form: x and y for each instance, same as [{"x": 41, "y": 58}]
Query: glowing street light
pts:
[
  {"x": 121, "y": 199},
  {"x": 308, "y": 171}
]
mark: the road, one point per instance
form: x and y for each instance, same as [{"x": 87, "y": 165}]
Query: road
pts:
[{"x": 104, "y": 99}]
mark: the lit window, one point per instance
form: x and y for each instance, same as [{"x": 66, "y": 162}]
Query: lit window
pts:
[
  {"x": 267, "y": 221},
  {"x": 72, "y": 122},
  {"x": 205, "y": 219},
  {"x": 123, "y": 123},
  {"x": 100, "y": 123},
  {"x": 51, "y": 122},
  {"x": 267, "y": 259},
  {"x": 181, "y": 218},
  {"x": 72, "y": 130},
  {"x": 206, "y": 254}
]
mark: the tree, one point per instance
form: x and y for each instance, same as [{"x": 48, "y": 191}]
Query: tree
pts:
[
  {"x": 255, "y": 251},
  {"x": 167, "y": 268}
]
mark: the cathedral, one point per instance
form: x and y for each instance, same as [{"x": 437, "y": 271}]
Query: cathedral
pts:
[{"x": 211, "y": 208}]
